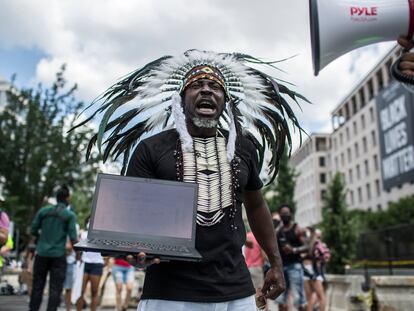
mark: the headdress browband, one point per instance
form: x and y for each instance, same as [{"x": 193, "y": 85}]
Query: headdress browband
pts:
[{"x": 204, "y": 72}]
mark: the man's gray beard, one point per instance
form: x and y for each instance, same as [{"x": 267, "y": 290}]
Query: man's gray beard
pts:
[{"x": 204, "y": 123}]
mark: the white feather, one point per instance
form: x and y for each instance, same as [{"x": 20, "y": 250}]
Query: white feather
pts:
[
  {"x": 179, "y": 118},
  {"x": 231, "y": 144}
]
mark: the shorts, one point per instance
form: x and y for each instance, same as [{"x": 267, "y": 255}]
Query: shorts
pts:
[
  {"x": 312, "y": 274},
  {"x": 123, "y": 274},
  {"x": 246, "y": 304},
  {"x": 294, "y": 282},
  {"x": 69, "y": 277},
  {"x": 93, "y": 268}
]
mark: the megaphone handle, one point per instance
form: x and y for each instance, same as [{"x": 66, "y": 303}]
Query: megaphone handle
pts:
[{"x": 400, "y": 76}]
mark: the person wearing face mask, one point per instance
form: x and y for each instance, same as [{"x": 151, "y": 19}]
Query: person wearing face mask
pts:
[{"x": 292, "y": 243}]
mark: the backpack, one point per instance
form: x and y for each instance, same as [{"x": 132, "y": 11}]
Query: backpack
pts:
[{"x": 321, "y": 252}]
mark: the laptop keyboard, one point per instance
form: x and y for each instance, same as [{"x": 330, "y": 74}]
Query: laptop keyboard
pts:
[{"x": 141, "y": 245}]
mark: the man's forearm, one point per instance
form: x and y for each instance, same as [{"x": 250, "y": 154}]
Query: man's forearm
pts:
[{"x": 301, "y": 249}]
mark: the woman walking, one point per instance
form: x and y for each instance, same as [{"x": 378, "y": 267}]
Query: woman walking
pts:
[{"x": 94, "y": 264}]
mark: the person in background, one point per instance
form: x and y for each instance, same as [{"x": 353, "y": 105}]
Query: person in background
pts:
[
  {"x": 309, "y": 273},
  {"x": 4, "y": 224},
  {"x": 123, "y": 274},
  {"x": 70, "y": 269},
  {"x": 292, "y": 243},
  {"x": 320, "y": 255},
  {"x": 92, "y": 273},
  {"x": 4, "y": 251},
  {"x": 254, "y": 256},
  {"x": 51, "y": 227}
]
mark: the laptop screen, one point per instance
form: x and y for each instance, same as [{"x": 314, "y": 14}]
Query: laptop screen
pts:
[{"x": 144, "y": 206}]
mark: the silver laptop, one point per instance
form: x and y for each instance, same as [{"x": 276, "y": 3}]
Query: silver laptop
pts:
[{"x": 132, "y": 215}]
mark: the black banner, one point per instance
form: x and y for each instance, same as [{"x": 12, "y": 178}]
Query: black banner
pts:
[{"x": 396, "y": 135}]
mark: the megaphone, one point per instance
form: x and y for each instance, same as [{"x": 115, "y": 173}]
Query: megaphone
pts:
[{"x": 340, "y": 26}]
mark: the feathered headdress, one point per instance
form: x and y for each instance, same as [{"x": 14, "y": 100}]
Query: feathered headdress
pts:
[{"x": 256, "y": 103}]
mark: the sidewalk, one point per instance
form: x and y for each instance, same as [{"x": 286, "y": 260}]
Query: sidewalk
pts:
[{"x": 21, "y": 303}]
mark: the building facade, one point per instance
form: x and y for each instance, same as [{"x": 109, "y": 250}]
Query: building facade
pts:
[
  {"x": 311, "y": 164},
  {"x": 354, "y": 150},
  {"x": 4, "y": 86}
]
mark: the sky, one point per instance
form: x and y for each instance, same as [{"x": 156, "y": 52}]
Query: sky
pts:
[{"x": 100, "y": 41}]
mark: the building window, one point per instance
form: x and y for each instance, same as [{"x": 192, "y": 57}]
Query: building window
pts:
[
  {"x": 358, "y": 172},
  {"x": 346, "y": 111},
  {"x": 342, "y": 159},
  {"x": 341, "y": 141},
  {"x": 368, "y": 186},
  {"x": 323, "y": 192},
  {"x": 351, "y": 178},
  {"x": 362, "y": 121},
  {"x": 359, "y": 195},
  {"x": 354, "y": 105},
  {"x": 355, "y": 127},
  {"x": 322, "y": 178},
  {"x": 365, "y": 144},
  {"x": 335, "y": 145},
  {"x": 370, "y": 90},
  {"x": 347, "y": 133},
  {"x": 322, "y": 161},
  {"x": 377, "y": 187},
  {"x": 349, "y": 154},
  {"x": 352, "y": 197},
  {"x": 373, "y": 138},
  {"x": 366, "y": 164},
  {"x": 376, "y": 162},
  {"x": 336, "y": 164},
  {"x": 371, "y": 114},
  {"x": 362, "y": 97},
  {"x": 356, "y": 150},
  {"x": 379, "y": 208},
  {"x": 380, "y": 79}
]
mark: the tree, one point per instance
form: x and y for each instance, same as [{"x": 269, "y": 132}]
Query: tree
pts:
[
  {"x": 37, "y": 154},
  {"x": 397, "y": 213},
  {"x": 336, "y": 225},
  {"x": 283, "y": 189}
]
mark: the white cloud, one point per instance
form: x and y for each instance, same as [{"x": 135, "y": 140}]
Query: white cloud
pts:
[{"x": 101, "y": 41}]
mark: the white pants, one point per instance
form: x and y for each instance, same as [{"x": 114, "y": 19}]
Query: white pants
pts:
[{"x": 243, "y": 304}]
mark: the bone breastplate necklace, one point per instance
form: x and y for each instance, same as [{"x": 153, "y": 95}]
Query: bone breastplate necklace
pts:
[{"x": 207, "y": 165}]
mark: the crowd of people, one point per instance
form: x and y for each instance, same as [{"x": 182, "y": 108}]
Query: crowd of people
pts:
[{"x": 304, "y": 257}]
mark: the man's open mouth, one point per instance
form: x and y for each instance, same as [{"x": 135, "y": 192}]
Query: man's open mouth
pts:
[{"x": 205, "y": 107}]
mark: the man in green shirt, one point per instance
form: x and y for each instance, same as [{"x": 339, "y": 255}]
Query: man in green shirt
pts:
[{"x": 51, "y": 226}]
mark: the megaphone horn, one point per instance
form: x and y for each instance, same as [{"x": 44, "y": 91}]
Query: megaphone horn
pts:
[{"x": 340, "y": 26}]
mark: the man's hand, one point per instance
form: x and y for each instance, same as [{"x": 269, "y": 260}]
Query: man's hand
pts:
[
  {"x": 288, "y": 249},
  {"x": 407, "y": 59},
  {"x": 274, "y": 283},
  {"x": 141, "y": 261}
]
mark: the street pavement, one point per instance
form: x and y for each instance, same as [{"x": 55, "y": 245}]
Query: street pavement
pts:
[{"x": 21, "y": 303}]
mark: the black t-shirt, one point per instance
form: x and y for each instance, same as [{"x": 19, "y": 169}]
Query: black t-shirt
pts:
[
  {"x": 289, "y": 237},
  {"x": 222, "y": 275}
]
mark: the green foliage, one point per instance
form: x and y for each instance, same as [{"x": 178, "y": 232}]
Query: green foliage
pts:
[
  {"x": 397, "y": 213},
  {"x": 283, "y": 189},
  {"x": 338, "y": 229},
  {"x": 37, "y": 152}
]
